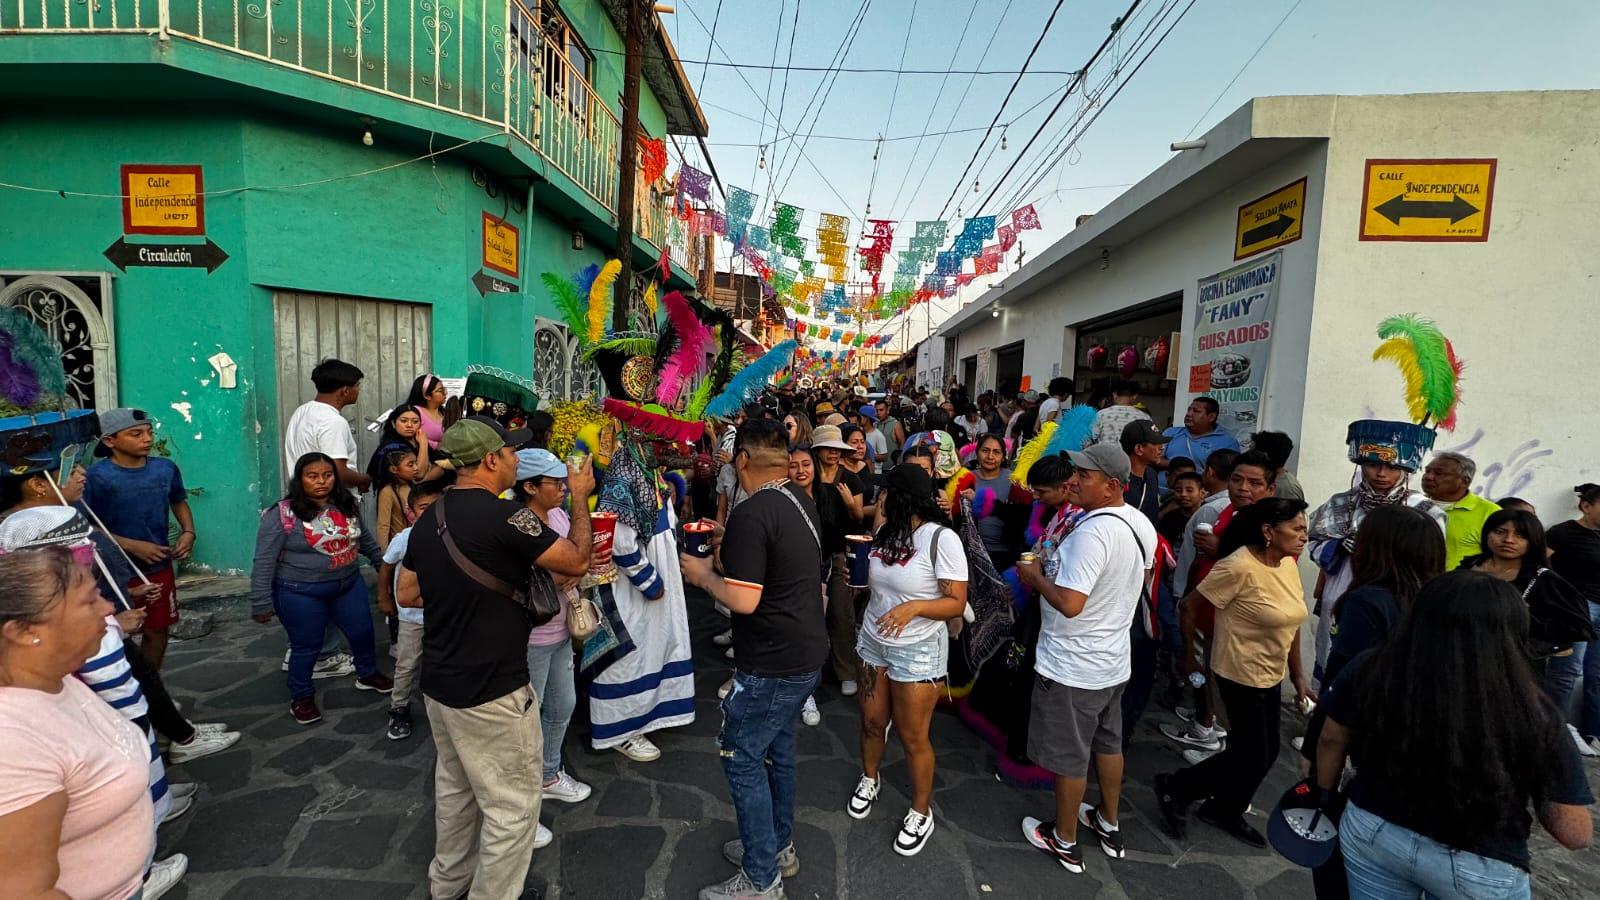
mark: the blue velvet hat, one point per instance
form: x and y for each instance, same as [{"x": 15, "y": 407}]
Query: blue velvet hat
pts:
[
  {"x": 46, "y": 441},
  {"x": 1400, "y": 444}
]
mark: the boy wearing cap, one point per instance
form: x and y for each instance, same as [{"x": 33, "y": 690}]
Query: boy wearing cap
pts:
[
  {"x": 1145, "y": 445},
  {"x": 133, "y": 493},
  {"x": 1084, "y": 654}
]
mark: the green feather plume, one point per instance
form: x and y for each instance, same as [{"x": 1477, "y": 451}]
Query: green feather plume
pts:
[
  {"x": 568, "y": 302},
  {"x": 632, "y": 346},
  {"x": 1427, "y": 361}
]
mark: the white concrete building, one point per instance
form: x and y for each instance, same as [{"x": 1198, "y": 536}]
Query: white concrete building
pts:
[{"x": 1476, "y": 210}]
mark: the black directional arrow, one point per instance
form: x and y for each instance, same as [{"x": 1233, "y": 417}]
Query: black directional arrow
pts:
[
  {"x": 488, "y": 284},
  {"x": 206, "y": 256},
  {"x": 1399, "y": 208},
  {"x": 1276, "y": 228}
]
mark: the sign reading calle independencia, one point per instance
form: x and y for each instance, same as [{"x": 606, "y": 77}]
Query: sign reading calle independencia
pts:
[
  {"x": 163, "y": 200},
  {"x": 1427, "y": 199},
  {"x": 1270, "y": 221},
  {"x": 501, "y": 246}
]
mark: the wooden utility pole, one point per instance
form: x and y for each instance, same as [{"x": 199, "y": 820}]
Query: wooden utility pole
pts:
[{"x": 632, "y": 62}]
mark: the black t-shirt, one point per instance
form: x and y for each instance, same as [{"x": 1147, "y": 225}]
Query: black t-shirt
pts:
[
  {"x": 1575, "y": 556},
  {"x": 768, "y": 545},
  {"x": 1170, "y": 525},
  {"x": 1144, "y": 494},
  {"x": 1385, "y": 795},
  {"x": 835, "y": 519},
  {"x": 475, "y": 641}
]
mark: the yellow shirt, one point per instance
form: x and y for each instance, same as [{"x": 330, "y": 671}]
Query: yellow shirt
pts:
[
  {"x": 1463, "y": 528},
  {"x": 1259, "y": 610}
]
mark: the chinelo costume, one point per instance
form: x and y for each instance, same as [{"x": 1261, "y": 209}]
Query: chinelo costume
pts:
[
  {"x": 638, "y": 666},
  {"x": 1432, "y": 372}
]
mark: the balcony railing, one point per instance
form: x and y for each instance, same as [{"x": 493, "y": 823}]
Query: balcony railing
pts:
[{"x": 488, "y": 60}]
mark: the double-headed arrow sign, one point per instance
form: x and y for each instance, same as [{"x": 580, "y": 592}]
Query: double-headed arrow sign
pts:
[
  {"x": 206, "y": 256},
  {"x": 1454, "y": 209}
]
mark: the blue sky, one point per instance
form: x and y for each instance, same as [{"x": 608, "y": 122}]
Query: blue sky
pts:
[{"x": 1325, "y": 46}]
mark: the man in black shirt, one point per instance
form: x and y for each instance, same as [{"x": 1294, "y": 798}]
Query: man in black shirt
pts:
[
  {"x": 1145, "y": 445},
  {"x": 773, "y": 585},
  {"x": 484, "y": 714}
]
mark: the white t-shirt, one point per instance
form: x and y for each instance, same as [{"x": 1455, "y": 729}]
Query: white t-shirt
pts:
[
  {"x": 915, "y": 579},
  {"x": 880, "y": 448},
  {"x": 395, "y": 555},
  {"x": 1101, "y": 559},
  {"x": 317, "y": 427},
  {"x": 1048, "y": 410}
]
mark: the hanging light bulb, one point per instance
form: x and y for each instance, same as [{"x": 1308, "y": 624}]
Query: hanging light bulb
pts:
[
  {"x": 975, "y": 185},
  {"x": 869, "y": 209},
  {"x": 762, "y": 162},
  {"x": 1002, "y": 139}
]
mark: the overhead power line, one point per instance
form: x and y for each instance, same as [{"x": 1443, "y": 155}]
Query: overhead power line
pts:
[
  {"x": 848, "y": 70},
  {"x": 1229, "y": 86}
]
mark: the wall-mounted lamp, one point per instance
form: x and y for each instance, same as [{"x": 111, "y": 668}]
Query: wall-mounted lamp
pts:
[
  {"x": 577, "y": 238},
  {"x": 366, "y": 132}
]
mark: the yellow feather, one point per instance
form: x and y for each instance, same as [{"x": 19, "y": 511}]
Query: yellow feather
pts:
[
  {"x": 600, "y": 299},
  {"x": 1400, "y": 352},
  {"x": 1030, "y": 453},
  {"x": 650, "y": 301}
]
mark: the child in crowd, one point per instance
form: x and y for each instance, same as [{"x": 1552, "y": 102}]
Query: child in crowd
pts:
[
  {"x": 132, "y": 493},
  {"x": 408, "y": 646},
  {"x": 401, "y": 470},
  {"x": 1188, "y": 492}
]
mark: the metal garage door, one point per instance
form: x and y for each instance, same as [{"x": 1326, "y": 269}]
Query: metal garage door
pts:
[{"x": 391, "y": 342}]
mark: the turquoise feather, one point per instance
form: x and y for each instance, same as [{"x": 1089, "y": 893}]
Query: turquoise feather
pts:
[
  {"x": 751, "y": 380},
  {"x": 1072, "y": 429},
  {"x": 32, "y": 348}
]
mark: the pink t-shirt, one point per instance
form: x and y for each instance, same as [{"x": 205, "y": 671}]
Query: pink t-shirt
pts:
[
  {"x": 432, "y": 429},
  {"x": 72, "y": 741},
  {"x": 555, "y": 630}
]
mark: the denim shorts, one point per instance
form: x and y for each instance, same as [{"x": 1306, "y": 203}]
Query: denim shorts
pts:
[{"x": 926, "y": 660}]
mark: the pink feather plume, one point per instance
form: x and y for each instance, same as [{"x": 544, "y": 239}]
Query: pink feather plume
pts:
[{"x": 690, "y": 360}]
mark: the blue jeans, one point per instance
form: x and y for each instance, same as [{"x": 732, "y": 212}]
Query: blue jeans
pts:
[
  {"x": 305, "y": 609},
  {"x": 550, "y": 673},
  {"x": 1562, "y": 675},
  {"x": 1388, "y": 862},
  {"x": 757, "y": 744}
]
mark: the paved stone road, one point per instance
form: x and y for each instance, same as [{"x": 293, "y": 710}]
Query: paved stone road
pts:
[{"x": 336, "y": 810}]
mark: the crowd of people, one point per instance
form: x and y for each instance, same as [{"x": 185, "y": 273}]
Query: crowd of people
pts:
[{"x": 1046, "y": 568}]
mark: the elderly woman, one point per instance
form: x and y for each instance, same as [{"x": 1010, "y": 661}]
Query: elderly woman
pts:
[{"x": 75, "y": 812}]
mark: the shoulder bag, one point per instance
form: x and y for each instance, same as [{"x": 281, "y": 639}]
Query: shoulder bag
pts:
[
  {"x": 540, "y": 601},
  {"x": 1558, "y": 613},
  {"x": 955, "y": 623},
  {"x": 583, "y": 617}
]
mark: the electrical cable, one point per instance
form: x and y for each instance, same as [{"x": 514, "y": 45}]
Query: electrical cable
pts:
[
  {"x": 705, "y": 66},
  {"x": 1002, "y": 108},
  {"x": 847, "y": 70},
  {"x": 1264, "y": 41},
  {"x": 932, "y": 108},
  {"x": 894, "y": 94},
  {"x": 850, "y": 40}
]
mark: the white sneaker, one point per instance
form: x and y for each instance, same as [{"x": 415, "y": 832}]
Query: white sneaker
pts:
[
  {"x": 728, "y": 653},
  {"x": 639, "y": 749},
  {"x": 723, "y": 639},
  {"x": 1186, "y": 715},
  {"x": 1196, "y": 757},
  {"x": 335, "y": 666},
  {"x": 210, "y": 727},
  {"x": 567, "y": 789},
  {"x": 1584, "y": 748},
  {"x": 725, "y": 690},
  {"x": 809, "y": 713},
  {"x": 201, "y": 746},
  {"x": 914, "y": 832},
  {"x": 182, "y": 789},
  {"x": 164, "y": 876},
  {"x": 180, "y": 805},
  {"x": 541, "y": 838},
  {"x": 847, "y": 687},
  {"x": 1192, "y": 735},
  {"x": 865, "y": 795}
]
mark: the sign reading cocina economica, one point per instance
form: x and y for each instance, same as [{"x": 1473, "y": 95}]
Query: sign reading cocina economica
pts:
[
  {"x": 1234, "y": 312},
  {"x": 501, "y": 247},
  {"x": 163, "y": 200}
]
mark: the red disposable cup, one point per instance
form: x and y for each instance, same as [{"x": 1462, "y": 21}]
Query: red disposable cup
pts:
[{"x": 603, "y": 525}]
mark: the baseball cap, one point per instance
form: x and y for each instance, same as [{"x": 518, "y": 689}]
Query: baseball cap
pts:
[
  {"x": 869, "y": 411},
  {"x": 1300, "y": 829},
  {"x": 120, "y": 419},
  {"x": 1102, "y": 458},
  {"x": 535, "y": 462},
  {"x": 829, "y": 436},
  {"x": 468, "y": 441},
  {"x": 1031, "y": 396},
  {"x": 1142, "y": 431}
]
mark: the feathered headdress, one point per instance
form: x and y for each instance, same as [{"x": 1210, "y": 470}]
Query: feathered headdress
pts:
[
  {"x": 31, "y": 375},
  {"x": 1031, "y": 452},
  {"x": 569, "y": 299},
  {"x": 750, "y": 380},
  {"x": 688, "y": 361},
  {"x": 1072, "y": 430},
  {"x": 1428, "y": 362},
  {"x": 600, "y": 299}
]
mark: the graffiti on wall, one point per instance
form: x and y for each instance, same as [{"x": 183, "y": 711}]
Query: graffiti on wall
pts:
[{"x": 1509, "y": 477}]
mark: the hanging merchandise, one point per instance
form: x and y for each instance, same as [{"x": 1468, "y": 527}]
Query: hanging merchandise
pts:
[
  {"x": 1157, "y": 354},
  {"x": 1128, "y": 361},
  {"x": 1096, "y": 357}
]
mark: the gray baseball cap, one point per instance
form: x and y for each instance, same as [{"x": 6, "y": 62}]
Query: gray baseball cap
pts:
[{"x": 1102, "y": 458}]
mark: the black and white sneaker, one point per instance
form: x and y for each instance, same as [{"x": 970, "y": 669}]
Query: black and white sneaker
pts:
[
  {"x": 865, "y": 795},
  {"x": 914, "y": 833},
  {"x": 1110, "y": 836},
  {"x": 399, "y": 723},
  {"x": 1043, "y": 835}
]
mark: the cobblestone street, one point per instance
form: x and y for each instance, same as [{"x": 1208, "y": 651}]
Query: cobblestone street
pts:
[{"x": 337, "y": 810}]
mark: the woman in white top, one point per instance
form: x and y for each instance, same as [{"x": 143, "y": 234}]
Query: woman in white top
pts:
[{"x": 918, "y": 580}]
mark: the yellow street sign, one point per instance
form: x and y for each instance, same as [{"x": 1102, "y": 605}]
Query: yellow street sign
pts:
[
  {"x": 501, "y": 246},
  {"x": 1427, "y": 199},
  {"x": 1270, "y": 221}
]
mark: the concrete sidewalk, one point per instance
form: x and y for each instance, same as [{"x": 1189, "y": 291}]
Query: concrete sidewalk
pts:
[{"x": 337, "y": 810}]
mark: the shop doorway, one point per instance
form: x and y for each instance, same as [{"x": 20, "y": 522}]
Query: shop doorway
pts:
[
  {"x": 392, "y": 343},
  {"x": 1101, "y": 357},
  {"x": 1008, "y": 369},
  {"x": 969, "y": 375}
]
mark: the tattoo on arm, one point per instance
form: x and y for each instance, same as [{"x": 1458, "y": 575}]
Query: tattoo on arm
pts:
[{"x": 947, "y": 588}]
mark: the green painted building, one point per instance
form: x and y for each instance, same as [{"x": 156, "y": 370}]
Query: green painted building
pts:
[{"x": 285, "y": 180}]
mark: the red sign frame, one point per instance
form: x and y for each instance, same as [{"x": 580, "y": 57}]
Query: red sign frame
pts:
[{"x": 127, "y": 193}]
